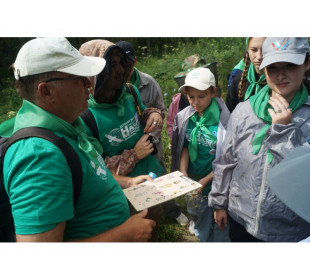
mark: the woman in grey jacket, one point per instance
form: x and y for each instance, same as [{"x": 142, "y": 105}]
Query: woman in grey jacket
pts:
[{"x": 261, "y": 132}]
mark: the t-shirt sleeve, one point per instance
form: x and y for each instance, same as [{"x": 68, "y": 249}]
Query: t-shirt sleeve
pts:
[{"x": 39, "y": 183}]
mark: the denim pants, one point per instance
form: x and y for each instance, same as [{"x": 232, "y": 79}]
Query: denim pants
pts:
[{"x": 205, "y": 227}]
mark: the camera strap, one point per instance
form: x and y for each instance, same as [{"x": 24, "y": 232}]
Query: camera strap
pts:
[{"x": 132, "y": 91}]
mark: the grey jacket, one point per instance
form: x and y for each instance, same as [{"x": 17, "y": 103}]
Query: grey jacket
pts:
[
  {"x": 179, "y": 129},
  {"x": 239, "y": 182},
  {"x": 151, "y": 96}
]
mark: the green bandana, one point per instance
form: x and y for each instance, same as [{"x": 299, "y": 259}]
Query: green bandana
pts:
[
  {"x": 32, "y": 115},
  {"x": 135, "y": 79},
  {"x": 253, "y": 83},
  {"x": 240, "y": 65},
  {"x": 210, "y": 116},
  {"x": 6, "y": 128},
  {"x": 119, "y": 103},
  {"x": 251, "y": 76},
  {"x": 260, "y": 106}
]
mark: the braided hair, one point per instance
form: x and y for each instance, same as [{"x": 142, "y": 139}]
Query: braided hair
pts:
[{"x": 241, "y": 86}]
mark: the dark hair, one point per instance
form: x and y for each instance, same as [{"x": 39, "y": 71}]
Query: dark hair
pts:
[{"x": 27, "y": 86}]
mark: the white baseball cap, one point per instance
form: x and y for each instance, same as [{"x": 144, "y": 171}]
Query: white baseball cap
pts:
[
  {"x": 43, "y": 55},
  {"x": 199, "y": 78}
]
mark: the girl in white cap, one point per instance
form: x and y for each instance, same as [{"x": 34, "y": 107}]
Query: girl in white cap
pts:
[
  {"x": 261, "y": 132},
  {"x": 196, "y": 133}
]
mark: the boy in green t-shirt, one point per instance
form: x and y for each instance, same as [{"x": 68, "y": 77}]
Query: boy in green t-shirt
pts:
[{"x": 198, "y": 129}]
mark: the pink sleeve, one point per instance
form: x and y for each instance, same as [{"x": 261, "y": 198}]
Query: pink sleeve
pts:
[{"x": 172, "y": 112}]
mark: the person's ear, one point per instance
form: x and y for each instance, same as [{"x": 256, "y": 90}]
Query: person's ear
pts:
[
  {"x": 44, "y": 94},
  {"x": 214, "y": 92},
  {"x": 307, "y": 64}
]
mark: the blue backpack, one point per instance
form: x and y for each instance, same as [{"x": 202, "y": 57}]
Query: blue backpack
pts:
[{"x": 7, "y": 229}]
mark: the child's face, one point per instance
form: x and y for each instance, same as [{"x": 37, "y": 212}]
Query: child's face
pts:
[
  {"x": 285, "y": 78},
  {"x": 200, "y": 100}
]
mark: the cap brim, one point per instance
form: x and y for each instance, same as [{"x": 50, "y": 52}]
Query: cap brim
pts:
[
  {"x": 197, "y": 85},
  {"x": 294, "y": 58},
  {"x": 88, "y": 66},
  {"x": 290, "y": 181}
]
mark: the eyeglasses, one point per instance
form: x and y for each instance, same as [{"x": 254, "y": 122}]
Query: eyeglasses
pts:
[{"x": 84, "y": 79}]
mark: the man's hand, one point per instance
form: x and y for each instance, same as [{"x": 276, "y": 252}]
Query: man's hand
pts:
[
  {"x": 126, "y": 181},
  {"x": 220, "y": 217},
  {"x": 143, "y": 147},
  {"x": 139, "y": 179},
  {"x": 138, "y": 228}
]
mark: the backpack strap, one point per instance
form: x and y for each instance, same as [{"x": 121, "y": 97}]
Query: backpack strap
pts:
[
  {"x": 69, "y": 153},
  {"x": 131, "y": 90},
  {"x": 89, "y": 119}
]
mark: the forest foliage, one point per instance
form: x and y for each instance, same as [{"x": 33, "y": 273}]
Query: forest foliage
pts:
[{"x": 160, "y": 57}]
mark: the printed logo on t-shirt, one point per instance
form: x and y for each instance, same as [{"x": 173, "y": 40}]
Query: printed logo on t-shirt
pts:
[
  {"x": 123, "y": 133},
  {"x": 101, "y": 170},
  {"x": 203, "y": 139}
]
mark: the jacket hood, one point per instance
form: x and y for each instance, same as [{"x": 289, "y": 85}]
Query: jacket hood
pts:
[{"x": 101, "y": 48}]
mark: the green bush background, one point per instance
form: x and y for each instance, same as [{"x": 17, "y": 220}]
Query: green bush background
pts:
[{"x": 159, "y": 57}]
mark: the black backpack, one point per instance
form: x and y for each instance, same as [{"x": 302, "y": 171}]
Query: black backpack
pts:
[{"x": 7, "y": 230}]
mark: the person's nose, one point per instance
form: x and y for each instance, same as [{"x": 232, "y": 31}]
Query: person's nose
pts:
[
  {"x": 121, "y": 69},
  {"x": 259, "y": 55},
  {"x": 281, "y": 74},
  {"x": 196, "y": 101},
  {"x": 87, "y": 82}
]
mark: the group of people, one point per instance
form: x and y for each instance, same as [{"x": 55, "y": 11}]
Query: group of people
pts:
[{"x": 112, "y": 115}]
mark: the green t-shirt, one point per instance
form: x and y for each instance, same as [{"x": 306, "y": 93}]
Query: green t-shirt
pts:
[
  {"x": 41, "y": 191},
  {"x": 122, "y": 133},
  {"x": 202, "y": 166}
]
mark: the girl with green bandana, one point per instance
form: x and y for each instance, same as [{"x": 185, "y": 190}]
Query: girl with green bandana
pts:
[
  {"x": 197, "y": 133},
  {"x": 251, "y": 80},
  {"x": 261, "y": 132}
]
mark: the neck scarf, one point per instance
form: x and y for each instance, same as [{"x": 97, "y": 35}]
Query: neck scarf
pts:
[
  {"x": 119, "y": 103},
  {"x": 251, "y": 77},
  {"x": 135, "y": 79},
  {"x": 6, "y": 128},
  {"x": 260, "y": 106},
  {"x": 210, "y": 116},
  {"x": 32, "y": 115},
  {"x": 240, "y": 65}
]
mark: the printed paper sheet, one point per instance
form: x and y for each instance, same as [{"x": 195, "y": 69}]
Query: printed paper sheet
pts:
[{"x": 162, "y": 189}]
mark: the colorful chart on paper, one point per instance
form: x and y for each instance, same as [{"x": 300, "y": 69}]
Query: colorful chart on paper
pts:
[{"x": 162, "y": 189}]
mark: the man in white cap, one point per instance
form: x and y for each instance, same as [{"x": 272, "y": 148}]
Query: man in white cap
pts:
[{"x": 52, "y": 77}]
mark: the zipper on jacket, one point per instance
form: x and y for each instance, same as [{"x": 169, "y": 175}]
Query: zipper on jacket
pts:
[{"x": 260, "y": 197}]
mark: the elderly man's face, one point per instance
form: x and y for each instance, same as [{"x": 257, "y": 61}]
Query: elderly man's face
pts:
[{"x": 70, "y": 96}]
